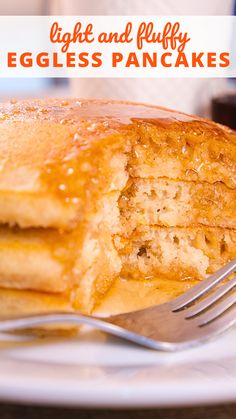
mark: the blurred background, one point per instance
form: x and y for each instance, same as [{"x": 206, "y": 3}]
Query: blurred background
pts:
[{"x": 214, "y": 98}]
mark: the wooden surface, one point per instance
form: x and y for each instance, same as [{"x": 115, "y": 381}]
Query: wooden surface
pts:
[{"x": 8, "y": 411}]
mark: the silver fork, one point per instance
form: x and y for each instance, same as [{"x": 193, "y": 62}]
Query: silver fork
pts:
[{"x": 181, "y": 323}]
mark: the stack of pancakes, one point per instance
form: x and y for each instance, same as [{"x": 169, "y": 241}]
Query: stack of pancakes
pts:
[{"x": 92, "y": 191}]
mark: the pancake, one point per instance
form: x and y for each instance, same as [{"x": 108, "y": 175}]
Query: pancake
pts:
[
  {"x": 51, "y": 151},
  {"x": 95, "y": 191},
  {"x": 171, "y": 203},
  {"x": 175, "y": 253}
]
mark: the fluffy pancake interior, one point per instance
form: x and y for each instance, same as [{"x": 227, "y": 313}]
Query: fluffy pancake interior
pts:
[
  {"x": 175, "y": 253},
  {"x": 171, "y": 203}
]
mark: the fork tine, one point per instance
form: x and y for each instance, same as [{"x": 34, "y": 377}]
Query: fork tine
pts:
[
  {"x": 221, "y": 324},
  {"x": 208, "y": 301},
  {"x": 216, "y": 311},
  {"x": 200, "y": 289}
]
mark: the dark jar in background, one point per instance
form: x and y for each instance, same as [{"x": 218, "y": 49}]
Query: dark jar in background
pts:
[{"x": 224, "y": 109}]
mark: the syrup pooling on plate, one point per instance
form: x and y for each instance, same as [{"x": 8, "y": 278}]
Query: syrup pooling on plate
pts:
[{"x": 129, "y": 295}]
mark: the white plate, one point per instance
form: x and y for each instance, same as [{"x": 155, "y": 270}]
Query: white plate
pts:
[{"x": 96, "y": 371}]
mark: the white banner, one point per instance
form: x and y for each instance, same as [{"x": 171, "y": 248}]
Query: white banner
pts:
[{"x": 118, "y": 46}]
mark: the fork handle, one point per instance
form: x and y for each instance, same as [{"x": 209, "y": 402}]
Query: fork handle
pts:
[
  {"x": 29, "y": 321},
  {"x": 32, "y": 320},
  {"x": 103, "y": 324}
]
